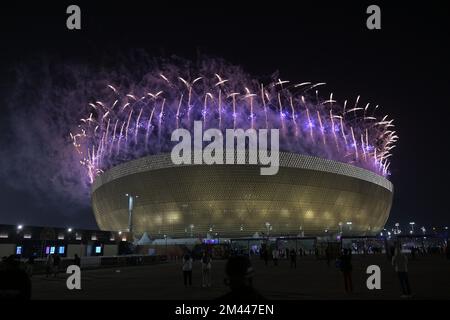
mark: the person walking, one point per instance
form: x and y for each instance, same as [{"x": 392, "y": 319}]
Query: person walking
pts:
[
  {"x": 77, "y": 260},
  {"x": 48, "y": 265},
  {"x": 346, "y": 269},
  {"x": 266, "y": 256},
  {"x": 400, "y": 263},
  {"x": 293, "y": 256},
  {"x": 187, "y": 270},
  {"x": 30, "y": 265},
  {"x": 328, "y": 255},
  {"x": 206, "y": 270},
  {"x": 275, "y": 255},
  {"x": 56, "y": 264}
]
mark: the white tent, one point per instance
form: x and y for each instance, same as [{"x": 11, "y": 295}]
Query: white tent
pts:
[{"x": 145, "y": 239}]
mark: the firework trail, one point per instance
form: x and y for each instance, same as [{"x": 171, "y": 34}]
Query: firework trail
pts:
[{"x": 126, "y": 125}]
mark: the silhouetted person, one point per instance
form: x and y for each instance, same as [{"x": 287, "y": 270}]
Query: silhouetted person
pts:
[
  {"x": 346, "y": 269},
  {"x": 266, "y": 256},
  {"x": 328, "y": 255},
  {"x": 239, "y": 275},
  {"x": 187, "y": 270},
  {"x": 293, "y": 256},
  {"x": 392, "y": 251},
  {"x": 48, "y": 265},
  {"x": 400, "y": 263},
  {"x": 77, "y": 260},
  {"x": 14, "y": 282},
  {"x": 30, "y": 265},
  {"x": 56, "y": 263}
]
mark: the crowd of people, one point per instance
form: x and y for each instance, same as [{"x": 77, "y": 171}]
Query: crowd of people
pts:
[
  {"x": 15, "y": 274},
  {"x": 342, "y": 257}
]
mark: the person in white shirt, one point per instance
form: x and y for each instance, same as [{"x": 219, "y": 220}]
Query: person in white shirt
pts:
[
  {"x": 206, "y": 270},
  {"x": 400, "y": 263},
  {"x": 275, "y": 255},
  {"x": 187, "y": 270}
]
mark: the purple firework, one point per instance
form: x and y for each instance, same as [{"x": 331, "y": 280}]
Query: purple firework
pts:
[{"x": 132, "y": 122}]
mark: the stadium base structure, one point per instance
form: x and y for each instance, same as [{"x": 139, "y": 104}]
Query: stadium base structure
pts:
[{"x": 309, "y": 196}]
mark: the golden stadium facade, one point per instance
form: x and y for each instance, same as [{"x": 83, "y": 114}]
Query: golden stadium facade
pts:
[{"x": 308, "y": 196}]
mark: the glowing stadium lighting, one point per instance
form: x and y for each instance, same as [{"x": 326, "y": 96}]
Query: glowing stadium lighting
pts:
[{"x": 19, "y": 227}]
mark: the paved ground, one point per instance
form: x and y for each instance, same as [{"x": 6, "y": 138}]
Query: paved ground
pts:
[{"x": 429, "y": 277}]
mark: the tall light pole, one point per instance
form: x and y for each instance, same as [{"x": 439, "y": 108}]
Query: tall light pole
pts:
[
  {"x": 131, "y": 200},
  {"x": 397, "y": 228},
  {"x": 349, "y": 224},
  {"x": 340, "y": 227},
  {"x": 412, "y": 227},
  {"x": 268, "y": 228},
  {"x": 165, "y": 238}
]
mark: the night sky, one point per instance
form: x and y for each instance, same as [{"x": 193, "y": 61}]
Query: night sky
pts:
[{"x": 403, "y": 67}]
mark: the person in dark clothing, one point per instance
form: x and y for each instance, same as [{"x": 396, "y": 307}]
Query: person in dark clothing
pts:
[
  {"x": 239, "y": 275},
  {"x": 328, "y": 255},
  {"x": 266, "y": 256},
  {"x": 77, "y": 260},
  {"x": 14, "y": 282},
  {"x": 293, "y": 256},
  {"x": 413, "y": 253},
  {"x": 346, "y": 269},
  {"x": 187, "y": 270},
  {"x": 56, "y": 262},
  {"x": 29, "y": 267},
  {"x": 49, "y": 265},
  {"x": 400, "y": 262}
]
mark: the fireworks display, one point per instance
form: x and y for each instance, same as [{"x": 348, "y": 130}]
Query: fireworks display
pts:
[{"x": 127, "y": 124}]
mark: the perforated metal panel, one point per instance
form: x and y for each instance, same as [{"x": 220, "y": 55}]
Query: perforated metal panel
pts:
[{"x": 307, "y": 194}]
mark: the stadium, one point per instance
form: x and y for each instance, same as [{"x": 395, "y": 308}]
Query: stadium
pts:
[
  {"x": 308, "y": 196},
  {"x": 333, "y": 163}
]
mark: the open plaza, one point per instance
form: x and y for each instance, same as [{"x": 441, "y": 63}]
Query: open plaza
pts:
[{"x": 312, "y": 279}]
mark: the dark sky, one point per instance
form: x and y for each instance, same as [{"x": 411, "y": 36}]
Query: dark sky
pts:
[{"x": 403, "y": 67}]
